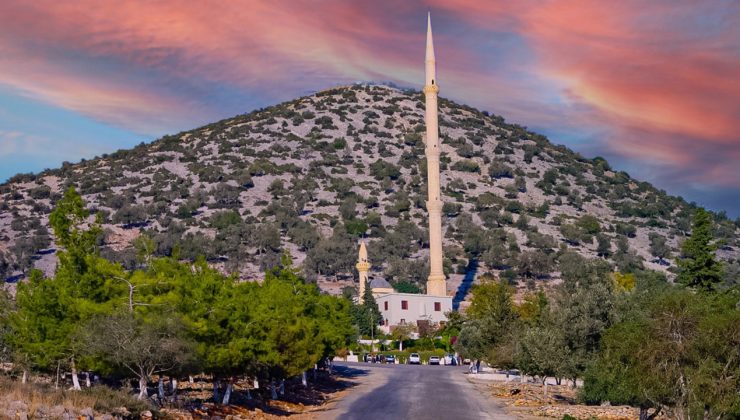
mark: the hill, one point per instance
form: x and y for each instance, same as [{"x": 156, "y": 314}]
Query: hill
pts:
[{"x": 312, "y": 175}]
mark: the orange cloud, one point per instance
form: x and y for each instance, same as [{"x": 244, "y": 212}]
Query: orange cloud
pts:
[{"x": 659, "y": 79}]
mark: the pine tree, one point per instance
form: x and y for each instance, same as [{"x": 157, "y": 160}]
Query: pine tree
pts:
[
  {"x": 698, "y": 266},
  {"x": 371, "y": 310},
  {"x": 366, "y": 316}
]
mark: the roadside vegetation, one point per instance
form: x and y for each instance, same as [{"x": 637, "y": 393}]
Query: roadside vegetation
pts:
[
  {"x": 164, "y": 319},
  {"x": 632, "y": 338}
]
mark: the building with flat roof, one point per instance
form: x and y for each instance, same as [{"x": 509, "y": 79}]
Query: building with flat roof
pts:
[{"x": 410, "y": 308}]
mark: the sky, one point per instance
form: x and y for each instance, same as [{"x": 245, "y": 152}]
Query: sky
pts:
[{"x": 652, "y": 86}]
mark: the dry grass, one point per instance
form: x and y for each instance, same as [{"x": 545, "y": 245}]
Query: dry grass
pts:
[{"x": 100, "y": 398}]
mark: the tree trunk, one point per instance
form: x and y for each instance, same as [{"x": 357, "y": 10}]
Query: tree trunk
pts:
[
  {"x": 544, "y": 386},
  {"x": 191, "y": 380},
  {"x": 400, "y": 345},
  {"x": 645, "y": 415},
  {"x": 304, "y": 381},
  {"x": 24, "y": 378},
  {"x": 56, "y": 380},
  {"x": 256, "y": 383},
  {"x": 216, "y": 388},
  {"x": 227, "y": 394},
  {"x": 282, "y": 387},
  {"x": 87, "y": 380},
  {"x": 173, "y": 385},
  {"x": 143, "y": 392},
  {"x": 75, "y": 379},
  {"x": 160, "y": 388},
  {"x": 273, "y": 391},
  {"x": 558, "y": 381},
  {"x": 315, "y": 368}
]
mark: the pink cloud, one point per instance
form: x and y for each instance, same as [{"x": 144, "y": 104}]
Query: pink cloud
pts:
[{"x": 658, "y": 78}]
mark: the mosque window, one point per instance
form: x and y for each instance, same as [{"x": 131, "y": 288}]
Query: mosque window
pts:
[
  {"x": 404, "y": 304},
  {"x": 437, "y": 307}
]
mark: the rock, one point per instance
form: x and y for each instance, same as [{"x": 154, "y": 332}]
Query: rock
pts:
[
  {"x": 41, "y": 412},
  {"x": 123, "y": 411},
  {"x": 87, "y": 413},
  {"x": 18, "y": 406},
  {"x": 56, "y": 411}
]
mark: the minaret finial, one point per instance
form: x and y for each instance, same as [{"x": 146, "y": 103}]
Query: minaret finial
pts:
[{"x": 430, "y": 41}]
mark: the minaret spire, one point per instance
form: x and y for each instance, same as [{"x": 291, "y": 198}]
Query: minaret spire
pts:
[{"x": 436, "y": 283}]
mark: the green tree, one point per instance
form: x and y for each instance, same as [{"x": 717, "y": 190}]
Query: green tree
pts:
[
  {"x": 136, "y": 346},
  {"x": 658, "y": 246},
  {"x": 698, "y": 267},
  {"x": 604, "y": 247},
  {"x": 540, "y": 353},
  {"x": 7, "y": 307},
  {"x": 679, "y": 354},
  {"x": 572, "y": 234},
  {"x": 50, "y": 311},
  {"x": 68, "y": 221},
  {"x": 582, "y": 308},
  {"x": 588, "y": 224},
  {"x": 366, "y": 315},
  {"x": 486, "y": 334},
  {"x": 402, "y": 333}
]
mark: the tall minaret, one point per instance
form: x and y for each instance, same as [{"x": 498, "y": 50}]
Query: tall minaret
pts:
[
  {"x": 436, "y": 284},
  {"x": 363, "y": 266}
]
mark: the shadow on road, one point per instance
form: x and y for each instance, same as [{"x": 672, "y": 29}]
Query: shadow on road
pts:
[
  {"x": 349, "y": 372},
  {"x": 466, "y": 284}
]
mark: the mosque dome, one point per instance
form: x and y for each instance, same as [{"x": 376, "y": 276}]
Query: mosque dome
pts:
[{"x": 380, "y": 283}]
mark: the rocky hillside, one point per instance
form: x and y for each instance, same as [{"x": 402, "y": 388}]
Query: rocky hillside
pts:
[{"x": 312, "y": 175}]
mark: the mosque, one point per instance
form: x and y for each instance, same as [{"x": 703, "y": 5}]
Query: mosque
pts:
[{"x": 408, "y": 308}]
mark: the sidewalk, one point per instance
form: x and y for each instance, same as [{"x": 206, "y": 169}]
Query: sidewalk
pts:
[{"x": 489, "y": 374}]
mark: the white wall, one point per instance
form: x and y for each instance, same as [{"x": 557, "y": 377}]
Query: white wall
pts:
[{"x": 420, "y": 307}]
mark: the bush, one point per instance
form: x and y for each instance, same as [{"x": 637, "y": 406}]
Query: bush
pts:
[
  {"x": 100, "y": 398},
  {"x": 466, "y": 165},
  {"x": 40, "y": 192},
  {"x": 499, "y": 169},
  {"x": 589, "y": 224},
  {"x": 626, "y": 230}
]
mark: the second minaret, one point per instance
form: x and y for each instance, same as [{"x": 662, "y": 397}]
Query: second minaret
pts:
[{"x": 436, "y": 284}]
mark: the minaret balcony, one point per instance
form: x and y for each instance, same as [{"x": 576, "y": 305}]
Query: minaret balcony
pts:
[{"x": 431, "y": 89}]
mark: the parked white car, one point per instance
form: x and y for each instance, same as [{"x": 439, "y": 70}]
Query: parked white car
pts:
[
  {"x": 414, "y": 359},
  {"x": 434, "y": 360}
]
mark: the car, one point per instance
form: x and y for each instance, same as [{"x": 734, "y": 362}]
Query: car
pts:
[
  {"x": 391, "y": 359},
  {"x": 433, "y": 360},
  {"x": 414, "y": 359},
  {"x": 450, "y": 360}
]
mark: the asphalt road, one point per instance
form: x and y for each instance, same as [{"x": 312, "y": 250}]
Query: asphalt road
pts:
[{"x": 412, "y": 392}]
